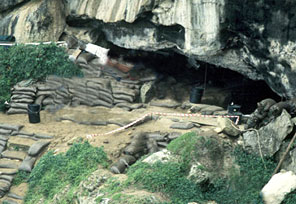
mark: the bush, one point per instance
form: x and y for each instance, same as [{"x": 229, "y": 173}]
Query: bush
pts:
[
  {"x": 22, "y": 62},
  {"x": 243, "y": 186},
  {"x": 168, "y": 178},
  {"x": 20, "y": 177},
  {"x": 53, "y": 172}
]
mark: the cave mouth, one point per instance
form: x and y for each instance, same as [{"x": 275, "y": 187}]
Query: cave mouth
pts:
[{"x": 219, "y": 83}]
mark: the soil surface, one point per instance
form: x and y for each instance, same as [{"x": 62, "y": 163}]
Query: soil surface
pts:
[{"x": 63, "y": 125}]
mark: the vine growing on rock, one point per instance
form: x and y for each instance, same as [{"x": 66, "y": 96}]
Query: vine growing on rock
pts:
[{"x": 23, "y": 62}]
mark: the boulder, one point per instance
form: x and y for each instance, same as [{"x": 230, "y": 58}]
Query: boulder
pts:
[
  {"x": 228, "y": 127},
  {"x": 37, "y": 21},
  {"x": 161, "y": 156},
  {"x": 198, "y": 174},
  {"x": 270, "y": 136},
  {"x": 278, "y": 186},
  {"x": 147, "y": 92}
]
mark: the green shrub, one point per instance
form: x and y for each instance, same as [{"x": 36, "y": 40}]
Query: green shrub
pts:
[
  {"x": 184, "y": 146},
  {"x": 22, "y": 62},
  {"x": 20, "y": 177},
  {"x": 243, "y": 186},
  {"x": 290, "y": 198},
  {"x": 53, "y": 172},
  {"x": 168, "y": 178}
]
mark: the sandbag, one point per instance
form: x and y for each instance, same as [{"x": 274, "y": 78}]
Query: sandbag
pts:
[
  {"x": 159, "y": 137},
  {"x": 84, "y": 58},
  {"x": 128, "y": 81},
  {"x": 11, "y": 127},
  {"x": 24, "y": 89},
  {"x": 47, "y": 101},
  {"x": 125, "y": 106},
  {"x": 152, "y": 146},
  {"x": 124, "y": 91},
  {"x": 5, "y": 132},
  {"x": 104, "y": 82},
  {"x": 127, "y": 160},
  {"x": 20, "y": 96},
  {"x": 118, "y": 167},
  {"x": 124, "y": 97},
  {"x": 46, "y": 93},
  {"x": 27, "y": 164},
  {"x": 19, "y": 105},
  {"x": 23, "y": 100},
  {"x": 118, "y": 101},
  {"x": 40, "y": 99},
  {"x": 4, "y": 185},
  {"x": 17, "y": 111},
  {"x": 37, "y": 147},
  {"x": 45, "y": 87},
  {"x": 27, "y": 93}
]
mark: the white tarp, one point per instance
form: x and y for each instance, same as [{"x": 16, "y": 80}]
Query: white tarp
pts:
[{"x": 100, "y": 52}]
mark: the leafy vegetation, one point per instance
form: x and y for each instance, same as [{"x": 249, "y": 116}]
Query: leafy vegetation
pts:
[
  {"x": 242, "y": 186},
  {"x": 54, "y": 172},
  {"x": 114, "y": 189},
  {"x": 290, "y": 198},
  {"x": 20, "y": 177},
  {"x": 22, "y": 62}
]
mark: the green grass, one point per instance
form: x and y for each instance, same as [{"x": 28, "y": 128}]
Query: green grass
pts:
[
  {"x": 23, "y": 62},
  {"x": 54, "y": 172},
  {"x": 20, "y": 177},
  {"x": 243, "y": 186}
]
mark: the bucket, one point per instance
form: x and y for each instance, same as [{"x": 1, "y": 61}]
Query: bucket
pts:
[
  {"x": 34, "y": 113},
  {"x": 232, "y": 108},
  {"x": 196, "y": 94}
]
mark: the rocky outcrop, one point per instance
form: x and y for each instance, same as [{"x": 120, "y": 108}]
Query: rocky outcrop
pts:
[
  {"x": 269, "y": 138},
  {"x": 35, "y": 21},
  {"x": 278, "y": 187},
  {"x": 254, "y": 38},
  {"x": 8, "y": 4}
]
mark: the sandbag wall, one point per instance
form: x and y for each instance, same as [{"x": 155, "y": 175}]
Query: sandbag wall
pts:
[
  {"x": 18, "y": 152},
  {"x": 21, "y": 97},
  {"x": 55, "y": 91},
  {"x": 141, "y": 144},
  {"x": 101, "y": 86}
]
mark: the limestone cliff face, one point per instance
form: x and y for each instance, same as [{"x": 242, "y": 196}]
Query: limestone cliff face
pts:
[
  {"x": 35, "y": 21},
  {"x": 254, "y": 38},
  {"x": 8, "y": 4}
]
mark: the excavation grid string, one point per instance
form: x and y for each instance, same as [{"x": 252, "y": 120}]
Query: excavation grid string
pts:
[{"x": 149, "y": 116}]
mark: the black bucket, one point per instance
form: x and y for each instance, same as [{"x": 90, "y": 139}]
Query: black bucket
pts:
[
  {"x": 196, "y": 94},
  {"x": 34, "y": 113},
  {"x": 232, "y": 109}
]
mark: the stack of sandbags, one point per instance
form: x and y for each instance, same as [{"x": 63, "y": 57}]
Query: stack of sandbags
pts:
[
  {"x": 21, "y": 97},
  {"x": 92, "y": 92},
  {"x": 141, "y": 144},
  {"x": 125, "y": 93},
  {"x": 90, "y": 64},
  {"x": 55, "y": 91},
  {"x": 45, "y": 94}
]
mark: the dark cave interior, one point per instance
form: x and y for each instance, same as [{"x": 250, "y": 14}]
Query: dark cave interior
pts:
[{"x": 243, "y": 91}]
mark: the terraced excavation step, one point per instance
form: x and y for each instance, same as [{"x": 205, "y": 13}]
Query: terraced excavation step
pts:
[
  {"x": 19, "y": 143},
  {"x": 8, "y": 163},
  {"x": 14, "y": 155},
  {"x": 5, "y": 171}
]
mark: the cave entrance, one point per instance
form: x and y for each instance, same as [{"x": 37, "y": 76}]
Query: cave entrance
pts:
[{"x": 176, "y": 74}]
